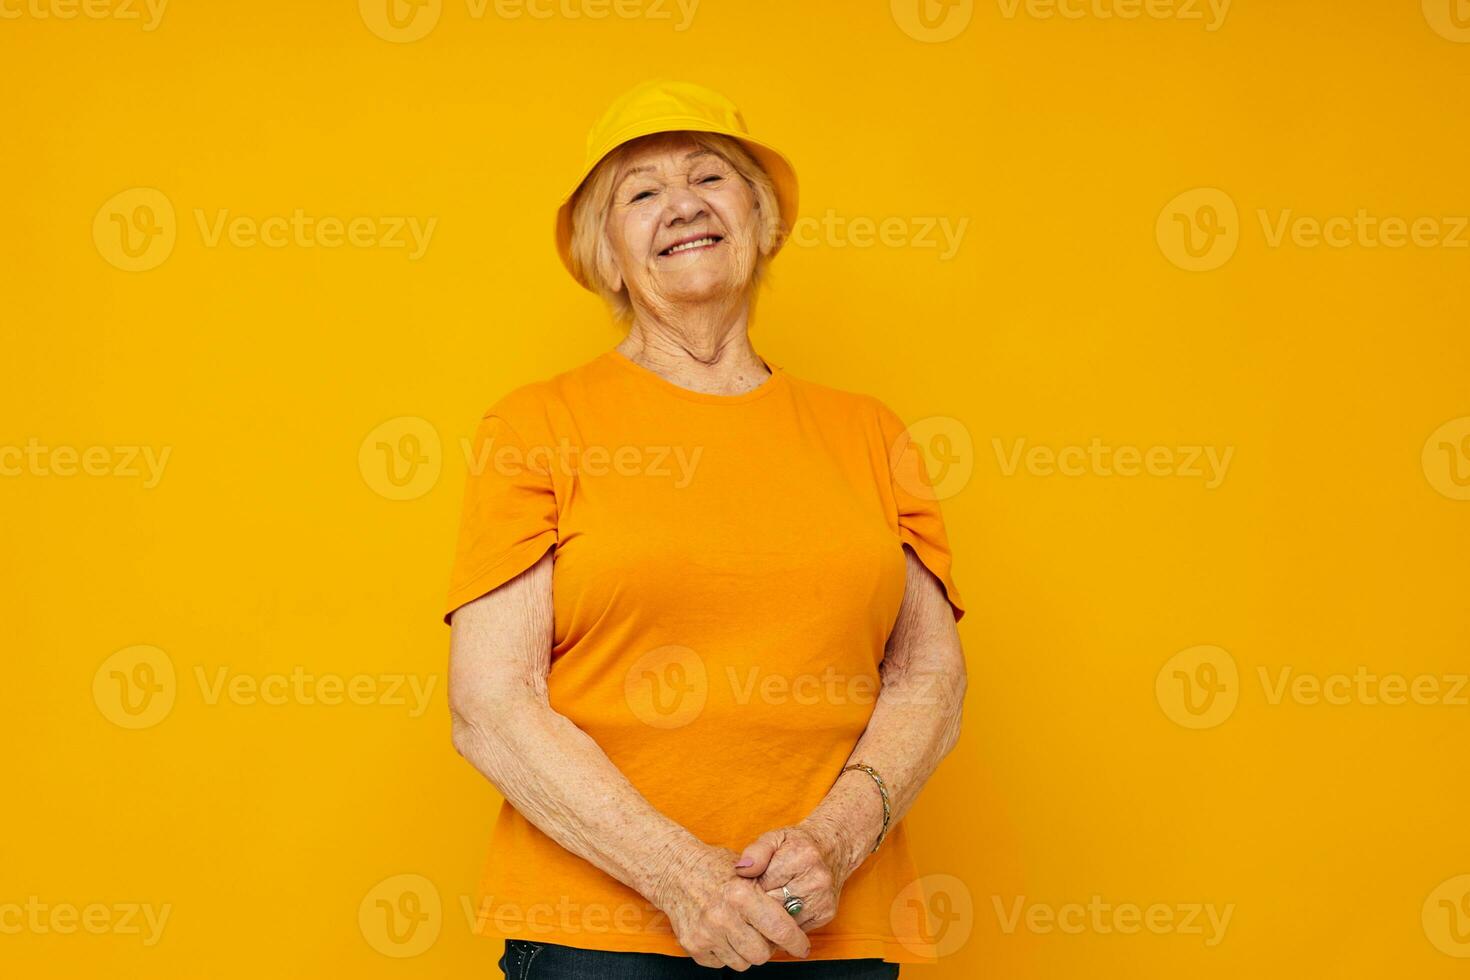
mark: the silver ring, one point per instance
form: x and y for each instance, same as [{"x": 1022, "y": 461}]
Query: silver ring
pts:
[{"x": 793, "y": 903}]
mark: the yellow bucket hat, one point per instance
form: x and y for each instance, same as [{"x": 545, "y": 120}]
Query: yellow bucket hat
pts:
[{"x": 663, "y": 106}]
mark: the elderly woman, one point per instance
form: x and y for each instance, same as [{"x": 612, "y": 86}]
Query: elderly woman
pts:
[{"x": 703, "y": 622}]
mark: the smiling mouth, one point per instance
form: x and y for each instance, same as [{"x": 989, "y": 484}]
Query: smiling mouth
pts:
[{"x": 708, "y": 241}]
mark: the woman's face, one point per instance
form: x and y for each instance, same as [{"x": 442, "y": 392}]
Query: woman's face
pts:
[{"x": 682, "y": 225}]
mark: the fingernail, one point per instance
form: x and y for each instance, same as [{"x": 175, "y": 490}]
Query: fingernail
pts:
[{"x": 744, "y": 863}]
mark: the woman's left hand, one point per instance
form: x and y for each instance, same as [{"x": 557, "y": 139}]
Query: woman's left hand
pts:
[{"x": 804, "y": 859}]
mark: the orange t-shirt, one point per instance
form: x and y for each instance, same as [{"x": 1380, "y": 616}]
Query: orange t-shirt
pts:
[{"x": 727, "y": 571}]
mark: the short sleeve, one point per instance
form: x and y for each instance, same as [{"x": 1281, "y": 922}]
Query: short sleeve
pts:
[
  {"x": 509, "y": 516},
  {"x": 920, "y": 522}
]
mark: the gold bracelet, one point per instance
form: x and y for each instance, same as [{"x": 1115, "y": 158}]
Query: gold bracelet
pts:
[{"x": 882, "y": 791}]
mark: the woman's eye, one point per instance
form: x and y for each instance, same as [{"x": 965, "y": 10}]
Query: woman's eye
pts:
[
  {"x": 640, "y": 196},
  {"x": 706, "y": 180}
]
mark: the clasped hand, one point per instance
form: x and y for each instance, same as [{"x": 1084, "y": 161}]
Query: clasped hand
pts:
[{"x": 726, "y": 909}]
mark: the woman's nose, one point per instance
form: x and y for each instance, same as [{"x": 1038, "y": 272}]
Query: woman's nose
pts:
[{"x": 685, "y": 204}]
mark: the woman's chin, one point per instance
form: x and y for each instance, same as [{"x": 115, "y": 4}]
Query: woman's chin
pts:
[{"x": 695, "y": 287}]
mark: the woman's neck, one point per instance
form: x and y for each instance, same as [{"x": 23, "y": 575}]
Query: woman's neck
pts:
[{"x": 710, "y": 355}]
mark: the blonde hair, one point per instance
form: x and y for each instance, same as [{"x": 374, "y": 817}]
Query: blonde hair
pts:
[{"x": 592, "y": 260}]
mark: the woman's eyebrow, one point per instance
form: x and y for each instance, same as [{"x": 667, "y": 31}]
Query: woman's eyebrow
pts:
[{"x": 646, "y": 168}]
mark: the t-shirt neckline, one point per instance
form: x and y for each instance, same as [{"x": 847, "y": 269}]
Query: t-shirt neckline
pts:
[{"x": 709, "y": 398}]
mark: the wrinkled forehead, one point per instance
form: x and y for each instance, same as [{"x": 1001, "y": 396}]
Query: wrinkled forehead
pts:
[{"x": 649, "y": 154}]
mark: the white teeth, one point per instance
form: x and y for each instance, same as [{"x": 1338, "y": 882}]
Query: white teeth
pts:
[{"x": 694, "y": 244}]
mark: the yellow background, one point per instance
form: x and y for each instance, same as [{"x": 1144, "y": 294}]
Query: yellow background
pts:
[{"x": 1336, "y": 540}]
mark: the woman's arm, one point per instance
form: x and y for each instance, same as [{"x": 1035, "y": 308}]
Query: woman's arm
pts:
[
  {"x": 558, "y": 778},
  {"x": 915, "y": 722},
  {"x": 914, "y": 725}
]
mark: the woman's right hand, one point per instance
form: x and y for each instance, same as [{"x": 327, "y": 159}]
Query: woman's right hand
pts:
[{"x": 720, "y": 918}]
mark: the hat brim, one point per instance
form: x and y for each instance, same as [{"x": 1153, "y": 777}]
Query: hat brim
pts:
[{"x": 780, "y": 170}]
